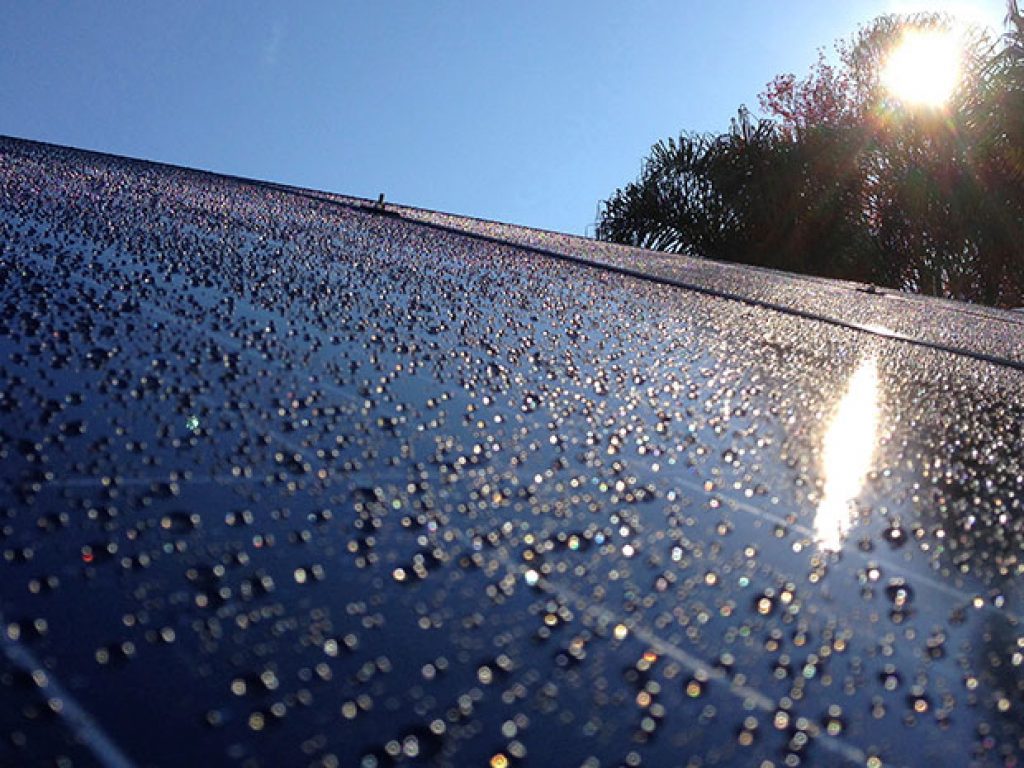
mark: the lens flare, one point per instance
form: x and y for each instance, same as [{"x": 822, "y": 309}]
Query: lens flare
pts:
[{"x": 924, "y": 68}]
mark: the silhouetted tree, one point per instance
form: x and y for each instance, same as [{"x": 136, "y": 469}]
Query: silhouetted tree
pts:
[{"x": 844, "y": 181}]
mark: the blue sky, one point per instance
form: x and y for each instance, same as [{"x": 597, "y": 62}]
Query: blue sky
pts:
[{"x": 527, "y": 111}]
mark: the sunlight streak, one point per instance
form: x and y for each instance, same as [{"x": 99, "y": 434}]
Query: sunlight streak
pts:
[{"x": 847, "y": 451}]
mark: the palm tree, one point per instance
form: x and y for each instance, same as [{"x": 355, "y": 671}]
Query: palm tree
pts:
[
  {"x": 847, "y": 183},
  {"x": 673, "y": 205},
  {"x": 993, "y": 124}
]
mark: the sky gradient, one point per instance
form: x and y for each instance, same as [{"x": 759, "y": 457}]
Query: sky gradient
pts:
[{"x": 526, "y": 112}]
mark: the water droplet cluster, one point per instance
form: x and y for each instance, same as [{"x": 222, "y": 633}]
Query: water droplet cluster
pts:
[{"x": 289, "y": 482}]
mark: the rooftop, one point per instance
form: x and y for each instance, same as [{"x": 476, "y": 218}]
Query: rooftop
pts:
[{"x": 290, "y": 479}]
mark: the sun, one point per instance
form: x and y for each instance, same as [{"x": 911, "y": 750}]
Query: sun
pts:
[{"x": 924, "y": 68}]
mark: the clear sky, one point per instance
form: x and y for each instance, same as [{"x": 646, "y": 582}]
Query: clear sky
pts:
[{"x": 524, "y": 111}]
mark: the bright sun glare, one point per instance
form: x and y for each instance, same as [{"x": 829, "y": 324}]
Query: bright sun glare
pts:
[
  {"x": 847, "y": 451},
  {"x": 924, "y": 68}
]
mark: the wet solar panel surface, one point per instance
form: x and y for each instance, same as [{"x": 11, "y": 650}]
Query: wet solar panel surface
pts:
[{"x": 291, "y": 481}]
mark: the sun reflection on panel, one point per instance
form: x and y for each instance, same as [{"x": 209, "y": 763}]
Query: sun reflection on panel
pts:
[{"x": 847, "y": 451}]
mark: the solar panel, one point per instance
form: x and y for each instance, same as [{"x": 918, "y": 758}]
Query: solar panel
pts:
[{"x": 287, "y": 481}]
